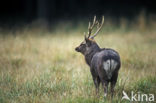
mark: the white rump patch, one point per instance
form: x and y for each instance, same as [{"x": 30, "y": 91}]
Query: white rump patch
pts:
[{"x": 109, "y": 66}]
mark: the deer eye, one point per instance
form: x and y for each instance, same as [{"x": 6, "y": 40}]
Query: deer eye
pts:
[{"x": 83, "y": 44}]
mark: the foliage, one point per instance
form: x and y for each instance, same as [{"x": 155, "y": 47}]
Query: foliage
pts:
[{"x": 42, "y": 67}]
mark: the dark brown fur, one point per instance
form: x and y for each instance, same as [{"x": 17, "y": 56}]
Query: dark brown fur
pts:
[{"x": 94, "y": 57}]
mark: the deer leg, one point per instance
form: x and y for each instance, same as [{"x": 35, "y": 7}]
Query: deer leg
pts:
[
  {"x": 97, "y": 83},
  {"x": 105, "y": 86},
  {"x": 113, "y": 83},
  {"x": 112, "y": 88}
]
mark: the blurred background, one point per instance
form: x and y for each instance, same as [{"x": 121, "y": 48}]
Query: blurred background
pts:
[
  {"x": 51, "y": 12},
  {"x": 38, "y": 61}
]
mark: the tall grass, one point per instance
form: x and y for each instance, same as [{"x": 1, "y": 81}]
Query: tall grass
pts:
[{"x": 42, "y": 67}]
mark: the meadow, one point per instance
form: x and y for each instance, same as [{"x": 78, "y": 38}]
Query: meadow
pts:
[{"x": 37, "y": 66}]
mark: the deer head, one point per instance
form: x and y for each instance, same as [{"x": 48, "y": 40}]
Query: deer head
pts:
[{"x": 89, "y": 45}]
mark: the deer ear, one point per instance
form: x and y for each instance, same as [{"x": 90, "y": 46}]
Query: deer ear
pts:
[
  {"x": 88, "y": 42},
  {"x": 86, "y": 39}
]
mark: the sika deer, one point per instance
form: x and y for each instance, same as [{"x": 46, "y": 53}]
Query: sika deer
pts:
[{"x": 104, "y": 63}]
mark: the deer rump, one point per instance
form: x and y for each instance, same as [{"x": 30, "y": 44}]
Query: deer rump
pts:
[{"x": 105, "y": 65}]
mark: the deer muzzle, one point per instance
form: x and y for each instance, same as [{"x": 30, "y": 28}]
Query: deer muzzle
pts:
[{"x": 77, "y": 49}]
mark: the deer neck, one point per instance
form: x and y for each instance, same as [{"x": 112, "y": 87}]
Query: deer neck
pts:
[{"x": 89, "y": 56}]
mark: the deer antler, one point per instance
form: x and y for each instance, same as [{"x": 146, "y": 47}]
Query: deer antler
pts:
[
  {"x": 90, "y": 28},
  {"x": 99, "y": 26}
]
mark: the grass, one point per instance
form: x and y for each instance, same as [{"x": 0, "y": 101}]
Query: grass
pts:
[{"x": 42, "y": 67}]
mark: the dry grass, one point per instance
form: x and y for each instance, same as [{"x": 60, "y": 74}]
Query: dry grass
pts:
[{"x": 42, "y": 68}]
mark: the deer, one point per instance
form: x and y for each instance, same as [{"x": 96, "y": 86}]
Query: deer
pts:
[{"x": 104, "y": 63}]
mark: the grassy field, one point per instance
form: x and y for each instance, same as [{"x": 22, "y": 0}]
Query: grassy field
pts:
[{"x": 43, "y": 67}]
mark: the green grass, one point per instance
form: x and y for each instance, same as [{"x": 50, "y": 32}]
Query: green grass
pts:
[{"x": 43, "y": 67}]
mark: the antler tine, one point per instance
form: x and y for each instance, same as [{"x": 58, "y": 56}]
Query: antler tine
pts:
[
  {"x": 90, "y": 28},
  {"x": 94, "y": 21},
  {"x": 85, "y": 35},
  {"x": 99, "y": 28}
]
